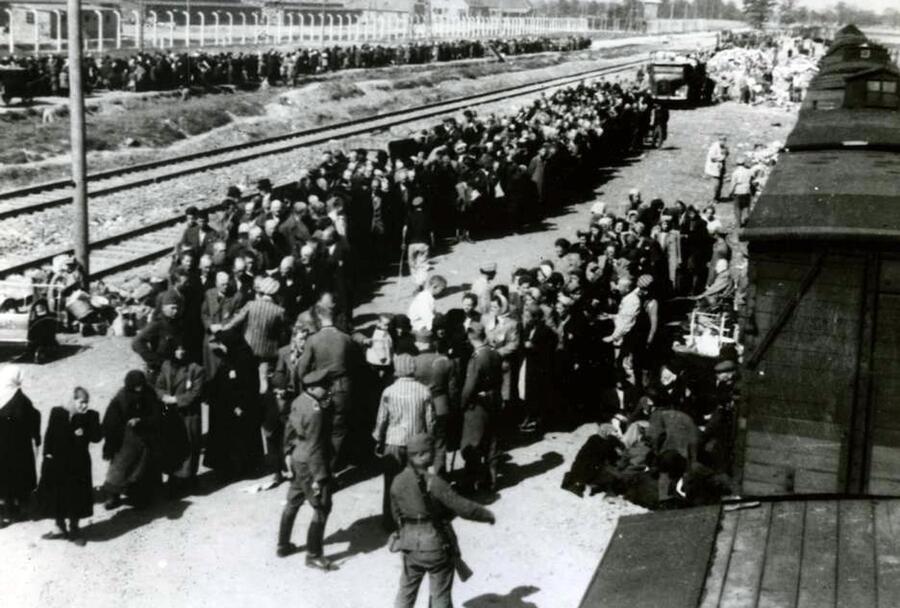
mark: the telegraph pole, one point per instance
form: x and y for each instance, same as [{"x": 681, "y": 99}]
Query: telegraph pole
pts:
[{"x": 76, "y": 122}]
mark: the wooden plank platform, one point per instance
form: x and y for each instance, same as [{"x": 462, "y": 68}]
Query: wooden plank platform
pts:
[
  {"x": 807, "y": 554},
  {"x": 816, "y": 553},
  {"x": 656, "y": 560}
]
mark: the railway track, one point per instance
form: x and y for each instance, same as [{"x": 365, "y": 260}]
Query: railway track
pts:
[{"x": 139, "y": 246}]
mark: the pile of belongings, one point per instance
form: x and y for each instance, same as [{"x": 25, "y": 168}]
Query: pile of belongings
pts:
[{"x": 760, "y": 73}]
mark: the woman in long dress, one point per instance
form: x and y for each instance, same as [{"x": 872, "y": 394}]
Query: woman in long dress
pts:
[
  {"x": 20, "y": 434},
  {"x": 131, "y": 432},
  {"x": 66, "y": 490}
]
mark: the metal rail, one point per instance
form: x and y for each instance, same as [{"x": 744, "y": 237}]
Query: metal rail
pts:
[
  {"x": 56, "y": 193},
  {"x": 135, "y": 247}
]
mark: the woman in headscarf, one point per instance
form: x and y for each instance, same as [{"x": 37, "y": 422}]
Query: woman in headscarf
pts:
[
  {"x": 179, "y": 387},
  {"x": 20, "y": 434},
  {"x": 234, "y": 443},
  {"x": 503, "y": 336},
  {"x": 131, "y": 432},
  {"x": 66, "y": 491}
]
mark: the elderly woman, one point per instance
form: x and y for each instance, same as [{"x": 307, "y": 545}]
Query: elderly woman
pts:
[
  {"x": 130, "y": 430},
  {"x": 20, "y": 433},
  {"x": 66, "y": 491},
  {"x": 503, "y": 336}
]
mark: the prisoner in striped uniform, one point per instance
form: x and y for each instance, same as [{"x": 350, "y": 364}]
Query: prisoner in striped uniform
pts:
[{"x": 406, "y": 410}]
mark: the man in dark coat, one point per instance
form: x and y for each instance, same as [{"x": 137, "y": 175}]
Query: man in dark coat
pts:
[
  {"x": 422, "y": 505},
  {"x": 332, "y": 350},
  {"x": 480, "y": 401},
  {"x": 435, "y": 371},
  {"x": 308, "y": 447},
  {"x": 155, "y": 341},
  {"x": 536, "y": 373},
  {"x": 20, "y": 433},
  {"x": 219, "y": 304}
]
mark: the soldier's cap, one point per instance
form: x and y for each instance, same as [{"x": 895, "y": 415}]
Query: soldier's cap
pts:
[
  {"x": 420, "y": 443},
  {"x": 725, "y": 366},
  {"x": 404, "y": 365},
  {"x": 169, "y": 298},
  {"x": 488, "y": 267},
  {"x": 318, "y": 377},
  {"x": 267, "y": 286},
  {"x": 476, "y": 329}
]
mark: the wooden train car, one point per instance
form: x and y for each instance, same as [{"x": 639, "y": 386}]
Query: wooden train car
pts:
[{"x": 820, "y": 407}]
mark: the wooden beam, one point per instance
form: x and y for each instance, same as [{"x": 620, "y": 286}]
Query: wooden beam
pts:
[{"x": 786, "y": 312}]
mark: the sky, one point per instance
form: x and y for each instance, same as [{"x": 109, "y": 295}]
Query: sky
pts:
[{"x": 872, "y": 5}]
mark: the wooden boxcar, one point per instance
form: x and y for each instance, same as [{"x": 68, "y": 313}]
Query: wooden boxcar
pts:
[{"x": 820, "y": 406}]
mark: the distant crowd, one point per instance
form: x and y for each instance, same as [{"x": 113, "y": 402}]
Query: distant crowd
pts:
[{"x": 160, "y": 71}]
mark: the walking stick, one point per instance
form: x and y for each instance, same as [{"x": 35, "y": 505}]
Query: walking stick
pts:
[{"x": 402, "y": 254}]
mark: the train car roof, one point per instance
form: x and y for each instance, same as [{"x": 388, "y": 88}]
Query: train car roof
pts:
[
  {"x": 840, "y": 195},
  {"x": 846, "y": 127}
]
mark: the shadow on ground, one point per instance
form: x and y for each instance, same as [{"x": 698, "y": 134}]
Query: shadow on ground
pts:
[{"x": 513, "y": 599}]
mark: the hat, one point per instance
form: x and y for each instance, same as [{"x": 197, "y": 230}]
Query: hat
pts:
[
  {"x": 404, "y": 365},
  {"x": 169, "y": 298},
  {"x": 488, "y": 268},
  {"x": 315, "y": 377},
  {"x": 243, "y": 228},
  {"x": 267, "y": 286},
  {"x": 460, "y": 146},
  {"x": 419, "y": 443},
  {"x": 423, "y": 334},
  {"x": 633, "y": 192},
  {"x": 645, "y": 280},
  {"x": 725, "y": 366},
  {"x": 417, "y": 201}
]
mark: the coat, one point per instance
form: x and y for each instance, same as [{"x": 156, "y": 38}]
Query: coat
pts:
[
  {"x": 216, "y": 310},
  {"x": 536, "y": 371},
  {"x": 418, "y": 531},
  {"x": 503, "y": 336},
  {"x": 480, "y": 397},
  {"x": 66, "y": 489},
  {"x": 20, "y": 431},
  {"x": 234, "y": 443},
  {"x": 131, "y": 450}
]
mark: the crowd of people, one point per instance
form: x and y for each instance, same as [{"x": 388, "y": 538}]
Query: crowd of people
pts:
[
  {"x": 161, "y": 71},
  {"x": 255, "y": 320}
]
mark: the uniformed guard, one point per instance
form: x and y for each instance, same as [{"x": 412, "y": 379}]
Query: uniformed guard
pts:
[
  {"x": 422, "y": 504},
  {"x": 309, "y": 449}
]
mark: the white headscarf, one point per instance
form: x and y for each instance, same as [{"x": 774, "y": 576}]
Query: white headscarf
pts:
[{"x": 10, "y": 382}]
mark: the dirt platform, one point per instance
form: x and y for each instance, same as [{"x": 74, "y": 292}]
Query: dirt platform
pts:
[{"x": 218, "y": 549}]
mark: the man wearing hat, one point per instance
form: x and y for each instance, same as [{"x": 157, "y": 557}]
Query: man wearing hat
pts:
[
  {"x": 263, "y": 322},
  {"x": 480, "y": 401},
  {"x": 435, "y": 371},
  {"x": 741, "y": 189},
  {"x": 418, "y": 234},
  {"x": 308, "y": 450},
  {"x": 422, "y": 504},
  {"x": 483, "y": 285},
  {"x": 332, "y": 350},
  {"x": 156, "y": 340},
  {"x": 406, "y": 409}
]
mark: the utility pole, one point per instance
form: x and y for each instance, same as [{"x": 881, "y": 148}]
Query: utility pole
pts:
[{"x": 76, "y": 123}]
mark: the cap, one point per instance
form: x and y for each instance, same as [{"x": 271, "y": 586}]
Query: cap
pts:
[
  {"x": 417, "y": 201},
  {"x": 420, "y": 443},
  {"x": 244, "y": 228},
  {"x": 267, "y": 286},
  {"x": 489, "y": 267},
  {"x": 598, "y": 208},
  {"x": 725, "y": 366},
  {"x": 315, "y": 377},
  {"x": 169, "y": 298},
  {"x": 404, "y": 365},
  {"x": 645, "y": 280}
]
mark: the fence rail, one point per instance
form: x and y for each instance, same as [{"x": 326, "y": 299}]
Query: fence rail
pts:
[{"x": 113, "y": 29}]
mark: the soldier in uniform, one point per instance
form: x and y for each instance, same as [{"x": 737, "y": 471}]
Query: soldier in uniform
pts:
[
  {"x": 422, "y": 504},
  {"x": 480, "y": 402},
  {"x": 308, "y": 448},
  {"x": 435, "y": 371}
]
